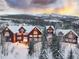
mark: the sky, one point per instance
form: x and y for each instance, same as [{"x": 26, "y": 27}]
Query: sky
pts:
[{"x": 64, "y": 7}]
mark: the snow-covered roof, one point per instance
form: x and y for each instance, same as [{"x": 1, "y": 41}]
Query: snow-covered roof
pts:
[
  {"x": 28, "y": 29},
  {"x": 49, "y": 26},
  {"x": 14, "y": 29},
  {"x": 52, "y": 28},
  {"x": 65, "y": 31}
]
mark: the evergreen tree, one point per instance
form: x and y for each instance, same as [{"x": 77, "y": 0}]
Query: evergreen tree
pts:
[
  {"x": 55, "y": 46},
  {"x": 31, "y": 47},
  {"x": 43, "y": 54}
]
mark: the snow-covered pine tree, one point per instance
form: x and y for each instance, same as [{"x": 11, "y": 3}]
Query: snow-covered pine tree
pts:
[
  {"x": 55, "y": 46},
  {"x": 31, "y": 46},
  {"x": 43, "y": 54},
  {"x": 2, "y": 41}
]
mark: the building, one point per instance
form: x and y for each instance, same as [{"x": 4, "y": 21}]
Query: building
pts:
[
  {"x": 8, "y": 34},
  {"x": 50, "y": 32},
  {"x": 71, "y": 37},
  {"x": 22, "y": 34},
  {"x": 68, "y": 36},
  {"x": 35, "y": 34}
]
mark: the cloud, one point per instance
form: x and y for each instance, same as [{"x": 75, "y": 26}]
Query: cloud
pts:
[
  {"x": 69, "y": 7},
  {"x": 18, "y": 3},
  {"x": 27, "y": 3}
]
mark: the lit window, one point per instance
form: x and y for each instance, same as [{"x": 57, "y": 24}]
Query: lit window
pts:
[
  {"x": 22, "y": 30},
  {"x": 35, "y": 32},
  {"x": 25, "y": 39},
  {"x": 31, "y": 35},
  {"x": 35, "y": 36},
  {"x": 50, "y": 31},
  {"x": 6, "y": 28},
  {"x": 24, "y": 34},
  {"x": 39, "y": 35},
  {"x": 6, "y": 33},
  {"x": 74, "y": 40},
  {"x": 19, "y": 38}
]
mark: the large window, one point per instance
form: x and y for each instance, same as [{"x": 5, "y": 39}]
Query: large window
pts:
[
  {"x": 7, "y": 34},
  {"x": 25, "y": 39},
  {"x": 39, "y": 36},
  {"x": 50, "y": 30},
  {"x": 35, "y": 32},
  {"x": 19, "y": 38},
  {"x": 31, "y": 35},
  {"x": 22, "y": 30},
  {"x": 35, "y": 35}
]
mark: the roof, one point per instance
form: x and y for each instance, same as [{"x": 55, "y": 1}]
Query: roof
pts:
[
  {"x": 49, "y": 26},
  {"x": 65, "y": 31},
  {"x": 14, "y": 29},
  {"x": 28, "y": 29},
  {"x": 52, "y": 28}
]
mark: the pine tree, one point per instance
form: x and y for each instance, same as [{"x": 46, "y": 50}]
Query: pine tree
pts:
[
  {"x": 55, "y": 46},
  {"x": 31, "y": 47},
  {"x": 43, "y": 54}
]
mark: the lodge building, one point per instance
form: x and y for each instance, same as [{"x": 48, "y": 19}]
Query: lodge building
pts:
[
  {"x": 22, "y": 34},
  {"x": 50, "y": 32},
  {"x": 67, "y": 36},
  {"x": 35, "y": 34},
  {"x": 26, "y": 34},
  {"x": 71, "y": 37}
]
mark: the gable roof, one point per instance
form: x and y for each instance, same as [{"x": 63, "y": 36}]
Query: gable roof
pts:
[
  {"x": 50, "y": 26},
  {"x": 14, "y": 29},
  {"x": 28, "y": 29},
  {"x": 36, "y": 29}
]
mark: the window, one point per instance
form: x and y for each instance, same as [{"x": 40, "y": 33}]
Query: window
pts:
[
  {"x": 31, "y": 35},
  {"x": 6, "y": 28},
  {"x": 74, "y": 40},
  {"x": 21, "y": 30},
  {"x": 35, "y": 35},
  {"x": 7, "y": 34},
  {"x": 39, "y": 36},
  {"x": 35, "y": 32},
  {"x": 50, "y": 31},
  {"x": 18, "y": 38},
  {"x": 25, "y": 39}
]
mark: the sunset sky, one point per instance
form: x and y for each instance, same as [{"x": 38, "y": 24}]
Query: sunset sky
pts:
[{"x": 66, "y": 7}]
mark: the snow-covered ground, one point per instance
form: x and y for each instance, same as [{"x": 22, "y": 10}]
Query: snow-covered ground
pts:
[
  {"x": 20, "y": 51},
  {"x": 16, "y": 51},
  {"x": 66, "y": 48}
]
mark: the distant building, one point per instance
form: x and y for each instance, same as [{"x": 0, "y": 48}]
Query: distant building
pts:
[
  {"x": 50, "y": 31},
  {"x": 68, "y": 35}
]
